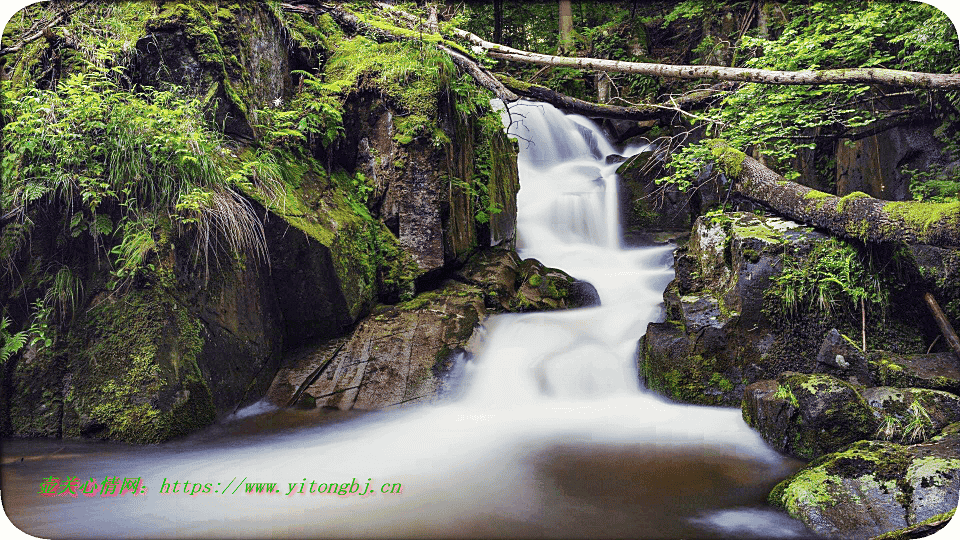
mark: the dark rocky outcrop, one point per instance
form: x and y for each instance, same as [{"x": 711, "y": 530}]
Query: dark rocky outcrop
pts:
[
  {"x": 718, "y": 337},
  {"x": 649, "y": 204},
  {"x": 875, "y": 164},
  {"x": 207, "y": 329}
]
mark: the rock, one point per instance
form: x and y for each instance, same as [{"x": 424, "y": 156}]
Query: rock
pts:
[
  {"x": 841, "y": 357},
  {"x": 873, "y": 488},
  {"x": 614, "y": 158},
  {"x": 235, "y": 71},
  {"x": 808, "y": 415},
  {"x": 718, "y": 301},
  {"x": 412, "y": 352},
  {"x": 736, "y": 262},
  {"x": 937, "y": 371},
  {"x": 398, "y": 355},
  {"x": 912, "y": 413},
  {"x": 873, "y": 164},
  {"x": 648, "y": 206},
  {"x": 128, "y": 369}
]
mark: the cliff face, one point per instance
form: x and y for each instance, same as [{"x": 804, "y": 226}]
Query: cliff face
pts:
[{"x": 247, "y": 182}]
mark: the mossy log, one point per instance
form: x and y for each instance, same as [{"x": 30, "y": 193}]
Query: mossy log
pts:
[{"x": 856, "y": 215}]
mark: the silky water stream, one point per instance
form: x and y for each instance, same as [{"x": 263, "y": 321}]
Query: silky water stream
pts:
[{"x": 551, "y": 435}]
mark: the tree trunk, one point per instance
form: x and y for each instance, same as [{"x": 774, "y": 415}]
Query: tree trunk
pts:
[
  {"x": 856, "y": 216},
  {"x": 498, "y": 21},
  {"x": 566, "y": 27}
]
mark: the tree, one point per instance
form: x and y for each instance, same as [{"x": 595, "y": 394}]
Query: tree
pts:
[{"x": 566, "y": 27}]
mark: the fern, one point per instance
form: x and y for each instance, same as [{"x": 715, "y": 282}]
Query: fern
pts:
[{"x": 11, "y": 343}]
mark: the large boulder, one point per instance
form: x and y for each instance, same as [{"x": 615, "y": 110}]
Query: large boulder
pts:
[
  {"x": 755, "y": 296},
  {"x": 873, "y": 488},
  {"x": 808, "y": 415},
  {"x": 718, "y": 336}
]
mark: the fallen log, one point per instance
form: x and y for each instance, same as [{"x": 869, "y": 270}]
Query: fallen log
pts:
[
  {"x": 856, "y": 215},
  {"x": 891, "y": 77}
]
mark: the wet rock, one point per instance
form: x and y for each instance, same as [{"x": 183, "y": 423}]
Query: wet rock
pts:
[
  {"x": 936, "y": 371},
  {"x": 909, "y": 414},
  {"x": 718, "y": 301},
  {"x": 872, "y": 488},
  {"x": 808, "y": 415},
  {"x": 842, "y": 357},
  {"x": 614, "y": 158},
  {"x": 398, "y": 355},
  {"x": 413, "y": 352}
]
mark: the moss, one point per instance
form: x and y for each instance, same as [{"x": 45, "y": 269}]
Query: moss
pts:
[
  {"x": 842, "y": 203},
  {"x": 411, "y": 77},
  {"x": 816, "y": 195},
  {"x": 695, "y": 379},
  {"x": 922, "y": 217},
  {"x": 728, "y": 158},
  {"x": 917, "y": 530},
  {"x": 143, "y": 383},
  {"x": 820, "y": 484}
]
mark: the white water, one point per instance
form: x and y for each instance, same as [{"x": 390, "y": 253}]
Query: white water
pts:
[{"x": 551, "y": 437}]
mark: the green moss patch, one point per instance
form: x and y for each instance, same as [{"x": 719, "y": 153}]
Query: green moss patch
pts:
[{"x": 141, "y": 382}]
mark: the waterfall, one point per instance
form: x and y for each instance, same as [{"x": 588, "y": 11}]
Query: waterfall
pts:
[{"x": 551, "y": 437}]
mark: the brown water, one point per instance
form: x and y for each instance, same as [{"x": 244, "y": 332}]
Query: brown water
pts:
[{"x": 550, "y": 488}]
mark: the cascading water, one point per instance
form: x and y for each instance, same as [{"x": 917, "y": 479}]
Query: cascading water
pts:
[{"x": 551, "y": 437}]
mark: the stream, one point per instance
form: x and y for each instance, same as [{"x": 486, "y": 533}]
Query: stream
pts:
[{"x": 550, "y": 435}]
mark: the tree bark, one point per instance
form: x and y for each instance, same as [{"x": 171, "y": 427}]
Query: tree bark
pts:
[
  {"x": 566, "y": 27},
  {"x": 945, "y": 327},
  {"x": 856, "y": 216},
  {"x": 482, "y": 76},
  {"x": 893, "y": 77}
]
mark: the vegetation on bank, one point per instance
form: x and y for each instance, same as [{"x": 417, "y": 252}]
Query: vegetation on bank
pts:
[{"x": 123, "y": 185}]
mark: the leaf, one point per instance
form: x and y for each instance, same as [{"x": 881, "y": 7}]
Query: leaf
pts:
[{"x": 103, "y": 224}]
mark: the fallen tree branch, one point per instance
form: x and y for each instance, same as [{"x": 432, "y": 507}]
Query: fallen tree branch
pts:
[
  {"x": 856, "y": 216},
  {"x": 906, "y": 79},
  {"x": 482, "y": 76},
  {"x": 945, "y": 327},
  {"x": 59, "y": 18}
]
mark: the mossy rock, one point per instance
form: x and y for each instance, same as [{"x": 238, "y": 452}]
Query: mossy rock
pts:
[
  {"x": 808, "y": 415},
  {"x": 668, "y": 365},
  {"x": 873, "y": 488},
  {"x": 137, "y": 377}
]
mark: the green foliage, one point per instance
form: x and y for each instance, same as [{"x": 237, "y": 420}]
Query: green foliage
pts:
[
  {"x": 10, "y": 344},
  {"x": 786, "y": 394},
  {"x": 918, "y": 423},
  {"x": 889, "y": 427},
  {"x": 118, "y": 160},
  {"x": 777, "y": 121},
  {"x": 833, "y": 274},
  {"x": 933, "y": 186}
]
